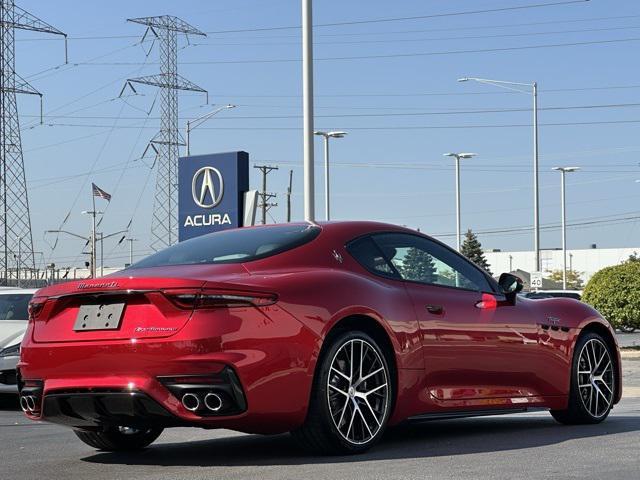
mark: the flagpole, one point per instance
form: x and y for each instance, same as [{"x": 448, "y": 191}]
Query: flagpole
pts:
[{"x": 93, "y": 236}]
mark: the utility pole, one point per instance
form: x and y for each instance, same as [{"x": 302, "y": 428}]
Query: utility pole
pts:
[
  {"x": 165, "y": 144},
  {"x": 131, "y": 240},
  {"x": 265, "y": 197},
  {"x": 14, "y": 201},
  {"x": 91, "y": 240},
  {"x": 289, "y": 189}
]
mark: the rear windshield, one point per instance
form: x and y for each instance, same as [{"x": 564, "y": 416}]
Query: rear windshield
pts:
[
  {"x": 233, "y": 246},
  {"x": 14, "y": 306}
]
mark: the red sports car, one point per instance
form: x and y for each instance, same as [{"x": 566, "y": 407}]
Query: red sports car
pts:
[{"x": 329, "y": 331}]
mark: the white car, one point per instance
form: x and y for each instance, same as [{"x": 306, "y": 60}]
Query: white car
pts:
[{"x": 13, "y": 324}]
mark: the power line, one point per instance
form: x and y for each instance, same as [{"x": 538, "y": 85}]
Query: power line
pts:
[
  {"x": 391, "y": 55},
  {"x": 385, "y": 114},
  {"x": 413, "y": 40},
  {"x": 392, "y": 127},
  {"x": 351, "y": 34},
  {"x": 404, "y": 19}
]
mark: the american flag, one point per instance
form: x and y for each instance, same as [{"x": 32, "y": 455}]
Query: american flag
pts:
[{"x": 98, "y": 192}]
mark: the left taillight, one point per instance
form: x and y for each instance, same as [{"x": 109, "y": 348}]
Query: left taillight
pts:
[
  {"x": 35, "y": 307},
  {"x": 219, "y": 299}
]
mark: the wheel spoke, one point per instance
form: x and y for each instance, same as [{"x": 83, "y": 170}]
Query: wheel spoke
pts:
[
  {"x": 366, "y": 394},
  {"x": 338, "y": 390},
  {"x": 366, "y": 401},
  {"x": 369, "y": 375},
  {"x": 341, "y": 374}
]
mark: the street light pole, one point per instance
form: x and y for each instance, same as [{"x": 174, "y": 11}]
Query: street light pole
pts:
[
  {"x": 327, "y": 197},
  {"x": 457, "y": 157},
  {"x": 563, "y": 171},
  {"x": 518, "y": 87},
  {"x": 196, "y": 122},
  {"x": 307, "y": 102}
]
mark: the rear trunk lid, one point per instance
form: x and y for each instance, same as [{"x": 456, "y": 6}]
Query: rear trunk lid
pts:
[{"x": 142, "y": 299}]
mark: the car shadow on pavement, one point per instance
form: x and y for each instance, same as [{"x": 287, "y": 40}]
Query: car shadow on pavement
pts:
[
  {"x": 9, "y": 402},
  {"x": 432, "y": 439}
]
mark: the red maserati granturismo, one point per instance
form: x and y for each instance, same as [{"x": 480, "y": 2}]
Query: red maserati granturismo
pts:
[{"x": 329, "y": 331}]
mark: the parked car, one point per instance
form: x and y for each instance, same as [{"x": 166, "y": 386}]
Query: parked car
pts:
[
  {"x": 575, "y": 294},
  {"x": 329, "y": 331},
  {"x": 13, "y": 324}
]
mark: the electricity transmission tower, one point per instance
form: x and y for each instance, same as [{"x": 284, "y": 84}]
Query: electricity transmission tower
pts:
[
  {"x": 265, "y": 203},
  {"x": 165, "y": 144},
  {"x": 15, "y": 220}
]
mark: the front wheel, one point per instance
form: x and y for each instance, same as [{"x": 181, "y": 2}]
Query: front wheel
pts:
[
  {"x": 351, "y": 397},
  {"x": 593, "y": 382},
  {"x": 119, "y": 438}
]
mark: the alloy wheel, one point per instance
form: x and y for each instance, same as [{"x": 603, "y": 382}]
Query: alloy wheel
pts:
[
  {"x": 358, "y": 391},
  {"x": 595, "y": 378}
]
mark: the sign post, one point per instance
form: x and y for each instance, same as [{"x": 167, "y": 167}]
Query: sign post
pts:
[{"x": 211, "y": 193}]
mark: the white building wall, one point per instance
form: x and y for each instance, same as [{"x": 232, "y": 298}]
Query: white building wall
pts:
[{"x": 587, "y": 261}]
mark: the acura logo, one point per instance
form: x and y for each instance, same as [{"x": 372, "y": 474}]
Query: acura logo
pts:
[{"x": 207, "y": 187}]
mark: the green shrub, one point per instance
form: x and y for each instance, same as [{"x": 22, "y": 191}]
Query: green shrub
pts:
[{"x": 615, "y": 293}]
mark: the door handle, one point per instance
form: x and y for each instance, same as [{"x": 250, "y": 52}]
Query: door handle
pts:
[{"x": 435, "y": 309}]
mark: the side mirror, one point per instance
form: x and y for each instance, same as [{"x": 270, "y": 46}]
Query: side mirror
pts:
[{"x": 510, "y": 285}]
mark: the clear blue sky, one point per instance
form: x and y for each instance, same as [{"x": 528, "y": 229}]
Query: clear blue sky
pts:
[{"x": 398, "y": 111}]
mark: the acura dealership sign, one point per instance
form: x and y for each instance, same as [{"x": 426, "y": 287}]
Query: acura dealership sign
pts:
[{"x": 211, "y": 192}]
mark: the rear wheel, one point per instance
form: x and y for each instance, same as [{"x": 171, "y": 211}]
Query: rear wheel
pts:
[
  {"x": 119, "y": 438},
  {"x": 593, "y": 383},
  {"x": 351, "y": 397}
]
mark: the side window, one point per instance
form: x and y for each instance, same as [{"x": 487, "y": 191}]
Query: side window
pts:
[
  {"x": 418, "y": 259},
  {"x": 369, "y": 255}
]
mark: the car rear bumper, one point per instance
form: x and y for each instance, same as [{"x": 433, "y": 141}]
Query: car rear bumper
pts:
[{"x": 264, "y": 375}]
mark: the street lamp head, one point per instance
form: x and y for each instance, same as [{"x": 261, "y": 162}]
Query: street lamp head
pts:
[
  {"x": 566, "y": 169},
  {"x": 320, "y": 133},
  {"x": 230, "y": 106},
  {"x": 465, "y": 79},
  {"x": 337, "y": 134},
  {"x": 460, "y": 155}
]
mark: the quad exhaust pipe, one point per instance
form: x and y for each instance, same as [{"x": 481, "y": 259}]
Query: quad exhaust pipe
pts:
[
  {"x": 191, "y": 402},
  {"x": 213, "y": 402},
  {"x": 194, "y": 402},
  {"x": 28, "y": 403}
]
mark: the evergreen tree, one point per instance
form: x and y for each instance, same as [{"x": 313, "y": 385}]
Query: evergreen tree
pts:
[
  {"x": 418, "y": 266},
  {"x": 472, "y": 249}
]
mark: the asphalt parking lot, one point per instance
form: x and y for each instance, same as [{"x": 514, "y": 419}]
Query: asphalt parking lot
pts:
[{"x": 512, "y": 446}]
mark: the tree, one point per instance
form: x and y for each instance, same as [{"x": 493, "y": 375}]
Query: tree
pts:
[
  {"x": 634, "y": 257},
  {"x": 615, "y": 293},
  {"x": 574, "y": 281},
  {"x": 472, "y": 249},
  {"x": 418, "y": 265}
]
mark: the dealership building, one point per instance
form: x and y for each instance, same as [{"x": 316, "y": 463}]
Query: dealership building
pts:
[{"x": 585, "y": 261}]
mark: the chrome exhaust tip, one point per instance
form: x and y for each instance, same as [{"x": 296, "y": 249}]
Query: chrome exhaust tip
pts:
[
  {"x": 23, "y": 404},
  {"x": 213, "y": 402},
  {"x": 191, "y": 402},
  {"x": 31, "y": 403}
]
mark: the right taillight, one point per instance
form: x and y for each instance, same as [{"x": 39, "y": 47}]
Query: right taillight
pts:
[{"x": 220, "y": 299}]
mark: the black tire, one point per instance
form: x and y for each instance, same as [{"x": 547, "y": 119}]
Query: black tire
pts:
[
  {"x": 319, "y": 433},
  {"x": 581, "y": 404},
  {"x": 119, "y": 439}
]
